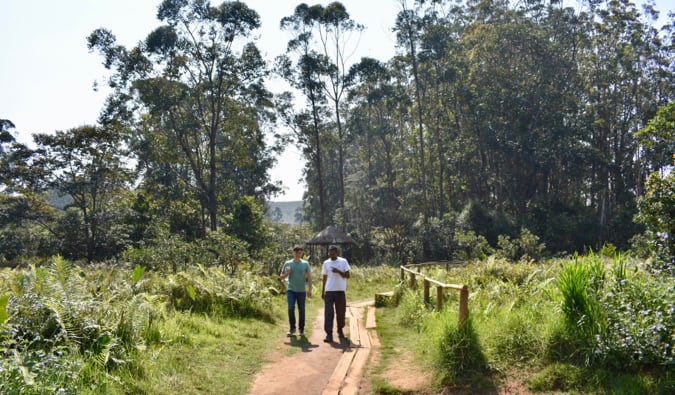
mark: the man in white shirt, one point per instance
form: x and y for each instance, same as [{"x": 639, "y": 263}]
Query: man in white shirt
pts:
[{"x": 335, "y": 273}]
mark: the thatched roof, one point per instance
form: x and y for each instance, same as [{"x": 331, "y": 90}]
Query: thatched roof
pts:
[{"x": 331, "y": 235}]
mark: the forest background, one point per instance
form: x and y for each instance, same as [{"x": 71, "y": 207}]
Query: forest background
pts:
[{"x": 494, "y": 122}]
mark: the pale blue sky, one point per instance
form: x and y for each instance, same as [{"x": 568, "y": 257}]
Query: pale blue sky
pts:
[{"x": 47, "y": 74}]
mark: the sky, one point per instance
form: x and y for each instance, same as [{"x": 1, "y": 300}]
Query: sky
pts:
[{"x": 47, "y": 74}]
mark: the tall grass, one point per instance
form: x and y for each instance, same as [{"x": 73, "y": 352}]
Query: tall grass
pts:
[
  {"x": 572, "y": 324},
  {"x": 66, "y": 327}
]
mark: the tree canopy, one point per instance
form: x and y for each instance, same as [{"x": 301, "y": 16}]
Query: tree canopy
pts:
[{"x": 493, "y": 119}]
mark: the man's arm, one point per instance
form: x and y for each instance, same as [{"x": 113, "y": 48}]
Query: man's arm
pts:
[
  {"x": 308, "y": 277},
  {"x": 285, "y": 272},
  {"x": 323, "y": 286}
]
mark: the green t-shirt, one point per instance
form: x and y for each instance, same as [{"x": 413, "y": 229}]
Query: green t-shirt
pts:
[{"x": 296, "y": 281}]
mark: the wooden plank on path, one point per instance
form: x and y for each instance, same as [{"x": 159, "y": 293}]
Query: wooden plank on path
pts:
[
  {"x": 336, "y": 379},
  {"x": 370, "y": 320},
  {"x": 352, "y": 381},
  {"x": 346, "y": 377},
  {"x": 354, "y": 335}
]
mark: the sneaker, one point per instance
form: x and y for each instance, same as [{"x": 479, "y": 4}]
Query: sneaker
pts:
[
  {"x": 328, "y": 339},
  {"x": 302, "y": 333},
  {"x": 291, "y": 332}
]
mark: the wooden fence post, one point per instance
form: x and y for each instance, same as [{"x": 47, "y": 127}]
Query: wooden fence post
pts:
[
  {"x": 426, "y": 291},
  {"x": 463, "y": 306},
  {"x": 439, "y": 298},
  {"x": 412, "y": 280}
]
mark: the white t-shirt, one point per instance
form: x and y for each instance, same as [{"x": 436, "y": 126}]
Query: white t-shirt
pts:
[{"x": 335, "y": 282}]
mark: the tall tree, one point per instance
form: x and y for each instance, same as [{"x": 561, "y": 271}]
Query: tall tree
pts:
[
  {"x": 306, "y": 76},
  {"x": 87, "y": 165},
  {"x": 335, "y": 28},
  {"x": 200, "y": 87},
  {"x": 409, "y": 25},
  {"x": 622, "y": 66}
]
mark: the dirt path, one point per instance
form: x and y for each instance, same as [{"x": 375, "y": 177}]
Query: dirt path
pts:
[{"x": 321, "y": 368}]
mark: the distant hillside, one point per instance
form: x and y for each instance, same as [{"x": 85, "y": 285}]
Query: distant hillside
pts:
[{"x": 284, "y": 212}]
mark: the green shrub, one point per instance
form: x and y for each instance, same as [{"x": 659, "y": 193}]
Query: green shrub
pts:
[
  {"x": 524, "y": 248},
  {"x": 471, "y": 246},
  {"x": 458, "y": 352},
  {"x": 411, "y": 310},
  {"x": 579, "y": 283}
]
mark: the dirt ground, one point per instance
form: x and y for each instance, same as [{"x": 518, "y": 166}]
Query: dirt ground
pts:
[
  {"x": 306, "y": 371},
  {"x": 310, "y": 369},
  {"x": 308, "y": 366}
]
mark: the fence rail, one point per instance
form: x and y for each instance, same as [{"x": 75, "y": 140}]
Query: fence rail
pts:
[{"x": 440, "y": 286}]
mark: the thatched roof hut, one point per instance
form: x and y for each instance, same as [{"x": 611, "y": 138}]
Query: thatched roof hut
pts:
[{"x": 322, "y": 240}]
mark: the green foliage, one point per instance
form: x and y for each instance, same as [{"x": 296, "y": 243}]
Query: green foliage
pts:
[
  {"x": 578, "y": 323},
  {"x": 247, "y": 222},
  {"x": 24, "y": 222},
  {"x": 483, "y": 221},
  {"x": 525, "y": 248},
  {"x": 563, "y": 226},
  {"x": 68, "y": 328},
  {"x": 438, "y": 237},
  {"x": 213, "y": 291},
  {"x": 471, "y": 246},
  {"x": 656, "y": 210},
  {"x": 173, "y": 253},
  {"x": 411, "y": 310},
  {"x": 391, "y": 246},
  {"x": 458, "y": 352},
  {"x": 619, "y": 321},
  {"x": 3, "y": 309},
  {"x": 579, "y": 283}
]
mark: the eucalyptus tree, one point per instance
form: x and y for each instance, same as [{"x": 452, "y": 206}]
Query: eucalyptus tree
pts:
[
  {"x": 629, "y": 73},
  {"x": 441, "y": 71},
  {"x": 335, "y": 28},
  {"x": 193, "y": 93},
  {"x": 320, "y": 39},
  {"x": 375, "y": 141},
  {"x": 304, "y": 68},
  {"x": 409, "y": 26}
]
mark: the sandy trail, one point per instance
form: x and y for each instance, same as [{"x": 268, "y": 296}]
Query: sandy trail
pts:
[{"x": 318, "y": 367}]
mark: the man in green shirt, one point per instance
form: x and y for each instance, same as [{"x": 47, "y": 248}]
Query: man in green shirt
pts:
[{"x": 298, "y": 274}]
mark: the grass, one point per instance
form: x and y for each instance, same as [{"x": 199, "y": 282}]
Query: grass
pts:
[
  {"x": 216, "y": 359},
  {"x": 151, "y": 334},
  {"x": 578, "y": 326}
]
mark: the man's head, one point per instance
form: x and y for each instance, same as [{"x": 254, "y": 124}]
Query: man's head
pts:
[
  {"x": 333, "y": 252},
  {"x": 297, "y": 249}
]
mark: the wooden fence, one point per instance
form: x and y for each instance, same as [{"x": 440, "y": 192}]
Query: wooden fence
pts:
[{"x": 428, "y": 281}]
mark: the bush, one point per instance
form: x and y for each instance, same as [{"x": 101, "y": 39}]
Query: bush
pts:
[
  {"x": 621, "y": 321},
  {"x": 525, "y": 248},
  {"x": 471, "y": 246},
  {"x": 459, "y": 353}
]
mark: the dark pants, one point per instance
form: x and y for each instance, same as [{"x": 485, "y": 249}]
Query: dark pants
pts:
[
  {"x": 299, "y": 298},
  {"x": 335, "y": 304}
]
